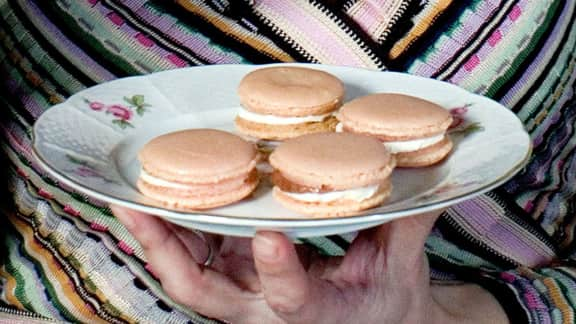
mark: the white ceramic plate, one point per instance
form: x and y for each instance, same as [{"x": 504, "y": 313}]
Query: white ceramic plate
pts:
[{"x": 90, "y": 142}]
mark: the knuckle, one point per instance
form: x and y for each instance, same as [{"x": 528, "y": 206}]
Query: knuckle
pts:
[{"x": 287, "y": 305}]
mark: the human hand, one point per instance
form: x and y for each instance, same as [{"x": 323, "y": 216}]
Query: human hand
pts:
[{"x": 383, "y": 278}]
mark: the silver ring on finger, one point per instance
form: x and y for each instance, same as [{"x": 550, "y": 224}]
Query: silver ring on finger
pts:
[{"x": 210, "y": 257}]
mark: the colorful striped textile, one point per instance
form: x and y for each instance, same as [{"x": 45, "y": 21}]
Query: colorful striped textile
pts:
[{"x": 66, "y": 258}]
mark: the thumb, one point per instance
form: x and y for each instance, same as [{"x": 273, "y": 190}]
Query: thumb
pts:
[
  {"x": 411, "y": 231},
  {"x": 403, "y": 239},
  {"x": 286, "y": 285}
]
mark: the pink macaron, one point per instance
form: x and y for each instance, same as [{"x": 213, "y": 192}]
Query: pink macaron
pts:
[
  {"x": 413, "y": 129},
  {"x": 198, "y": 169},
  {"x": 284, "y": 101},
  {"x": 331, "y": 174}
]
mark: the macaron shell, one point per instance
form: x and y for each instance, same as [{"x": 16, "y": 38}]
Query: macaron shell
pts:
[
  {"x": 180, "y": 199},
  {"x": 392, "y": 116},
  {"x": 333, "y": 209},
  {"x": 282, "y": 132},
  {"x": 191, "y": 189},
  {"x": 290, "y": 91},
  {"x": 198, "y": 156},
  {"x": 339, "y": 160},
  {"x": 292, "y": 110},
  {"x": 427, "y": 156}
]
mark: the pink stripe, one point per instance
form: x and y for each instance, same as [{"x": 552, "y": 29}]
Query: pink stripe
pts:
[
  {"x": 515, "y": 13},
  {"x": 116, "y": 19},
  {"x": 124, "y": 247},
  {"x": 534, "y": 68},
  {"x": 22, "y": 173},
  {"x": 71, "y": 211},
  {"x": 529, "y": 206},
  {"x": 314, "y": 31},
  {"x": 472, "y": 63},
  {"x": 380, "y": 3},
  {"x": 508, "y": 277},
  {"x": 45, "y": 194},
  {"x": 367, "y": 18},
  {"x": 370, "y": 14},
  {"x": 176, "y": 60},
  {"x": 98, "y": 227},
  {"x": 447, "y": 45},
  {"x": 532, "y": 301},
  {"x": 495, "y": 38},
  {"x": 144, "y": 40},
  {"x": 504, "y": 30}
]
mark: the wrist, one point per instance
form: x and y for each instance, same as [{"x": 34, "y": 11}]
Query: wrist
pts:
[{"x": 465, "y": 303}]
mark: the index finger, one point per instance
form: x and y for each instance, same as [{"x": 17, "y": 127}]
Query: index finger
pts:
[{"x": 202, "y": 289}]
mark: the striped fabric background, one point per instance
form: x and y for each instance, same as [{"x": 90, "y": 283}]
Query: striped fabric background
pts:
[{"x": 65, "y": 256}]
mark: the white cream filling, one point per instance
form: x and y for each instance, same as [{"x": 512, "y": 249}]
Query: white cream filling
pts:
[
  {"x": 357, "y": 194},
  {"x": 278, "y": 120},
  {"x": 406, "y": 146},
  {"x": 148, "y": 178},
  {"x": 268, "y": 144},
  {"x": 413, "y": 145},
  {"x": 339, "y": 128}
]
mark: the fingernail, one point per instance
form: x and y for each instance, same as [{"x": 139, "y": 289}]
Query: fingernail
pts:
[{"x": 264, "y": 248}]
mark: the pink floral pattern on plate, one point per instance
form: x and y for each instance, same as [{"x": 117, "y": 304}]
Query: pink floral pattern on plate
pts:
[
  {"x": 83, "y": 169},
  {"x": 459, "y": 124},
  {"x": 123, "y": 114}
]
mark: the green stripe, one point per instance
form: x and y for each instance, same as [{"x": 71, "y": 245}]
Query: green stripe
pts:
[
  {"x": 562, "y": 72},
  {"x": 88, "y": 212},
  {"x": 46, "y": 282},
  {"x": 37, "y": 54},
  {"x": 17, "y": 120},
  {"x": 455, "y": 26},
  {"x": 158, "y": 8},
  {"x": 86, "y": 208},
  {"x": 22, "y": 285},
  {"x": 563, "y": 284},
  {"x": 324, "y": 246},
  {"x": 51, "y": 245},
  {"x": 543, "y": 101},
  {"x": 437, "y": 248},
  {"x": 17, "y": 72},
  {"x": 135, "y": 267},
  {"x": 128, "y": 45},
  {"x": 71, "y": 27},
  {"x": 545, "y": 296},
  {"x": 138, "y": 26},
  {"x": 538, "y": 34}
]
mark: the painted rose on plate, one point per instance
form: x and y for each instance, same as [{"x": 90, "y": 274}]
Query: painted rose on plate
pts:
[{"x": 123, "y": 114}]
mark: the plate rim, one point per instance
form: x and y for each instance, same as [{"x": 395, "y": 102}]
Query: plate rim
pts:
[
  {"x": 205, "y": 217},
  {"x": 200, "y": 217}
]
